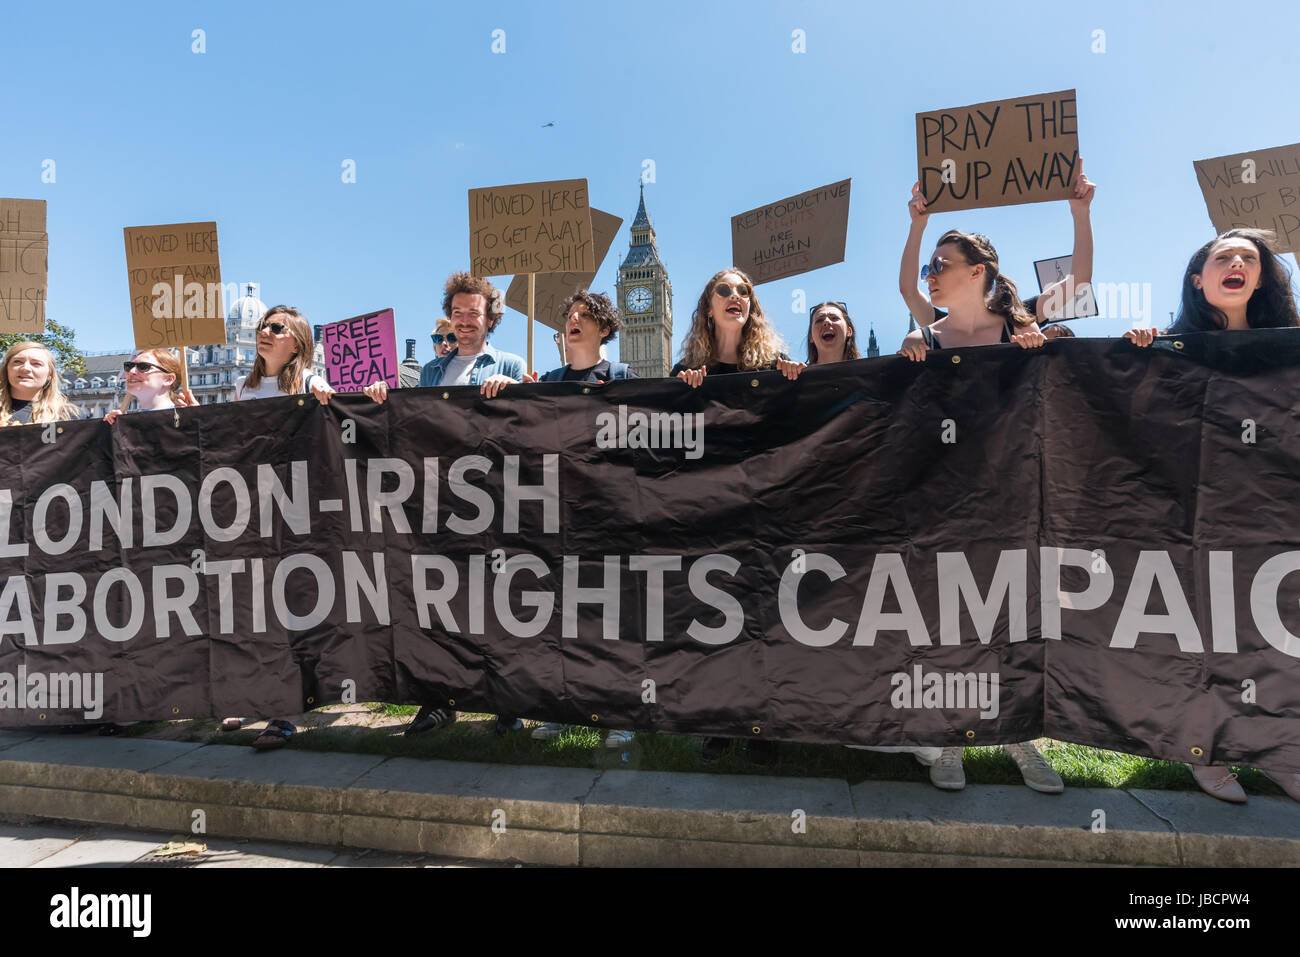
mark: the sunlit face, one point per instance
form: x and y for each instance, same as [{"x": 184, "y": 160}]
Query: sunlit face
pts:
[
  {"x": 469, "y": 321},
  {"x": 580, "y": 328},
  {"x": 153, "y": 382},
  {"x": 733, "y": 308},
  {"x": 954, "y": 276},
  {"x": 28, "y": 372},
  {"x": 276, "y": 348},
  {"x": 829, "y": 333},
  {"x": 1231, "y": 274}
]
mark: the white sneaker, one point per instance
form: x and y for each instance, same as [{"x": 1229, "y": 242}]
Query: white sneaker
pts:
[
  {"x": 924, "y": 756},
  {"x": 947, "y": 774},
  {"x": 1038, "y": 774},
  {"x": 619, "y": 739},
  {"x": 552, "y": 729}
]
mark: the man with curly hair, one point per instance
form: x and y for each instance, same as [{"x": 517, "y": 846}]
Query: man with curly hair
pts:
[{"x": 475, "y": 308}]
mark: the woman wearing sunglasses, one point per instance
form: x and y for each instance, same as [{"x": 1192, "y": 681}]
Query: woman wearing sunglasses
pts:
[
  {"x": 983, "y": 306},
  {"x": 283, "y": 363},
  {"x": 729, "y": 332},
  {"x": 444, "y": 340},
  {"x": 1233, "y": 283},
  {"x": 152, "y": 379}
]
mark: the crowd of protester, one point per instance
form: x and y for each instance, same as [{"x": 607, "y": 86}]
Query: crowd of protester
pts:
[{"x": 1234, "y": 282}]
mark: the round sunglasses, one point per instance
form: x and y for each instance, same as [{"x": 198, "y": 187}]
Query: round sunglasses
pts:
[
  {"x": 144, "y": 367},
  {"x": 725, "y": 289},
  {"x": 439, "y": 338}
]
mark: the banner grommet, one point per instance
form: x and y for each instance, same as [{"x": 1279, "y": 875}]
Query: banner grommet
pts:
[
  {"x": 42, "y": 717},
  {"x": 970, "y": 734},
  {"x": 956, "y": 360},
  {"x": 1197, "y": 752},
  {"x": 446, "y": 395},
  {"x": 1178, "y": 343},
  {"x": 300, "y": 402},
  {"x": 754, "y": 383},
  {"x": 175, "y": 710},
  {"x": 311, "y": 700},
  {"x": 451, "y": 702},
  {"x": 595, "y": 719},
  {"x": 756, "y": 729}
]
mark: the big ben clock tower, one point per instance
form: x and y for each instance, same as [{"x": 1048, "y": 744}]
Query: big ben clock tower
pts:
[{"x": 645, "y": 299}]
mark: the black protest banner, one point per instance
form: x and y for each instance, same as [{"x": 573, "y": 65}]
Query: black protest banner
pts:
[
  {"x": 1093, "y": 541},
  {"x": 1000, "y": 153},
  {"x": 1259, "y": 190}
]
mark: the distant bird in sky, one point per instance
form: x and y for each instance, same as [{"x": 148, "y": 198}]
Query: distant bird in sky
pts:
[{"x": 545, "y": 125}]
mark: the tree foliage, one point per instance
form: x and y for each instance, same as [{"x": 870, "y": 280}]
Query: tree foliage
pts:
[{"x": 60, "y": 340}]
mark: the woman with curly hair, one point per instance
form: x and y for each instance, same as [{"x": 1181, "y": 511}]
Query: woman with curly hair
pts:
[
  {"x": 29, "y": 388},
  {"x": 729, "y": 332}
]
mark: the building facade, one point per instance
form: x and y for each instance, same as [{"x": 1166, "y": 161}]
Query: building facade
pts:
[{"x": 645, "y": 299}]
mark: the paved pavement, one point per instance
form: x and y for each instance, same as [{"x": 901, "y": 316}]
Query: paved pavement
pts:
[
  {"x": 424, "y": 811},
  {"x": 53, "y": 845}
]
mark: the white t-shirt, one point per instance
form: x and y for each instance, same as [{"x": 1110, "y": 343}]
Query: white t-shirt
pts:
[
  {"x": 268, "y": 388},
  {"x": 458, "y": 368}
]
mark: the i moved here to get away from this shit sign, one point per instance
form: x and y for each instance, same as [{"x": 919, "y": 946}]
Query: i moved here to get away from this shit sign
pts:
[
  {"x": 531, "y": 228},
  {"x": 1000, "y": 153},
  {"x": 174, "y": 272}
]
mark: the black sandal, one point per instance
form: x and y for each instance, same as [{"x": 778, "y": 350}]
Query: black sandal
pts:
[{"x": 276, "y": 735}]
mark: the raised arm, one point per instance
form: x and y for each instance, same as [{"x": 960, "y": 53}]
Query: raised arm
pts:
[
  {"x": 1055, "y": 296},
  {"x": 910, "y": 269}
]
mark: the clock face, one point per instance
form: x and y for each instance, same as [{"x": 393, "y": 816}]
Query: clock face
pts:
[{"x": 639, "y": 299}]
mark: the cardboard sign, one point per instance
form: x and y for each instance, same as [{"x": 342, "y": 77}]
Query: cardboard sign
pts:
[
  {"x": 24, "y": 265},
  {"x": 1260, "y": 190},
  {"x": 1082, "y": 303},
  {"x": 361, "y": 350},
  {"x": 1000, "y": 153},
  {"x": 174, "y": 273},
  {"x": 531, "y": 228},
  {"x": 552, "y": 289},
  {"x": 793, "y": 235}
]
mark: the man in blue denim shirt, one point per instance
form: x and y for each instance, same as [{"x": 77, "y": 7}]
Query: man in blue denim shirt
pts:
[{"x": 475, "y": 307}]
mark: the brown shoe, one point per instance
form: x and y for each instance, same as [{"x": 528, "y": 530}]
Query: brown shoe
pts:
[
  {"x": 1219, "y": 782},
  {"x": 1288, "y": 781}
]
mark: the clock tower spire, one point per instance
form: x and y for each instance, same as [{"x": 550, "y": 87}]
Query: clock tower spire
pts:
[{"x": 645, "y": 297}]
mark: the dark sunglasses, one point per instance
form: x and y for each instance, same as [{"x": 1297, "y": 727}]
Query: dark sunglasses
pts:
[
  {"x": 812, "y": 313},
  {"x": 724, "y": 289},
  {"x": 145, "y": 367},
  {"x": 449, "y": 338},
  {"x": 277, "y": 328},
  {"x": 938, "y": 265}
]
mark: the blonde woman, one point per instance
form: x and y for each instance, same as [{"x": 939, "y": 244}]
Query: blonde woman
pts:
[
  {"x": 729, "y": 332},
  {"x": 29, "y": 388}
]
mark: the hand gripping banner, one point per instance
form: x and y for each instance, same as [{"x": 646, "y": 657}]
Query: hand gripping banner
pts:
[{"x": 1093, "y": 541}]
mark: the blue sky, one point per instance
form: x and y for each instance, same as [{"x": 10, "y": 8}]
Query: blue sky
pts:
[{"x": 253, "y": 132}]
